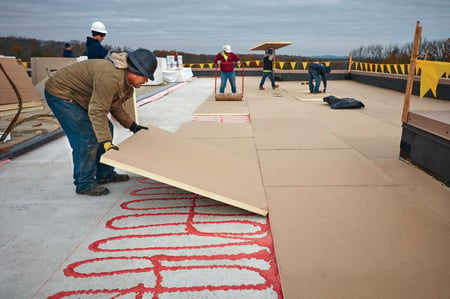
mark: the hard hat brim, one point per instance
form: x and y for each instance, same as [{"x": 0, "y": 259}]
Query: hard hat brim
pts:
[{"x": 139, "y": 67}]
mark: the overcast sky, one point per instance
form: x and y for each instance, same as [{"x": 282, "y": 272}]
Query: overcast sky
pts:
[{"x": 315, "y": 27}]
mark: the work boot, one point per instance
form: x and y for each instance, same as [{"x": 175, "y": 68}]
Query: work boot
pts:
[
  {"x": 275, "y": 86},
  {"x": 95, "y": 191},
  {"x": 114, "y": 179},
  {"x": 261, "y": 88}
]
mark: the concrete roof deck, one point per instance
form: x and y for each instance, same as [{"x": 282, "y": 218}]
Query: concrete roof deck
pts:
[{"x": 348, "y": 218}]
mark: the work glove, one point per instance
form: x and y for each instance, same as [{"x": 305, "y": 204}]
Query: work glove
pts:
[
  {"x": 135, "y": 127},
  {"x": 107, "y": 145},
  {"x": 219, "y": 62}
]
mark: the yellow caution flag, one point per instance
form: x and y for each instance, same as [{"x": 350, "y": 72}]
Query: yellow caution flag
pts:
[{"x": 431, "y": 72}]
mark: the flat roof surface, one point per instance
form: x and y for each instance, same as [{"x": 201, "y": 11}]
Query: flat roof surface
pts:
[{"x": 347, "y": 218}]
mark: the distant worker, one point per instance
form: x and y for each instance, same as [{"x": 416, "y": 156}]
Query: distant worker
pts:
[
  {"x": 226, "y": 60},
  {"x": 81, "y": 95},
  {"x": 94, "y": 48},
  {"x": 269, "y": 57},
  {"x": 68, "y": 51},
  {"x": 317, "y": 72}
]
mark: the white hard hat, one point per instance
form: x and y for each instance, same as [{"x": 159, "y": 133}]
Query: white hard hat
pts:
[
  {"x": 227, "y": 48},
  {"x": 99, "y": 27}
]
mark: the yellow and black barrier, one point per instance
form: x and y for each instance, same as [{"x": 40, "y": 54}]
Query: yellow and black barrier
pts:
[
  {"x": 430, "y": 73},
  {"x": 389, "y": 68},
  {"x": 291, "y": 65}
]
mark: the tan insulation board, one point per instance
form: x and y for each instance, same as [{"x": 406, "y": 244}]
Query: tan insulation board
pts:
[
  {"x": 293, "y": 89},
  {"x": 196, "y": 167},
  {"x": 272, "y": 108},
  {"x": 42, "y": 67},
  {"x": 7, "y": 110},
  {"x": 303, "y": 99},
  {"x": 358, "y": 242},
  {"x": 352, "y": 122},
  {"x": 20, "y": 78},
  {"x": 270, "y": 44},
  {"x": 212, "y": 107},
  {"x": 242, "y": 147},
  {"x": 321, "y": 167},
  {"x": 419, "y": 183},
  {"x": 212, "y": 130},
  {"x": 293, "y": 133},
  {"x": 376, "y": 147}
]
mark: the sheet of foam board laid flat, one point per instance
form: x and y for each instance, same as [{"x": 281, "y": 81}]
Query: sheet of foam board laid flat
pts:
[
  {"x": 212, "y": 107},
  {"x": 358, "y": 242},
  {"x": 192, "y": 166}
]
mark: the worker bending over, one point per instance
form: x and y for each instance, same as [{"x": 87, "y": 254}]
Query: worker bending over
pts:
[
  {"x": 317, "y": 72},
  {"x": 81, "y": 96}
]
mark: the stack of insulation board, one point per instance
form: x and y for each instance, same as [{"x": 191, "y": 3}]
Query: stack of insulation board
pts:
[{"x": 9, "y": 102}]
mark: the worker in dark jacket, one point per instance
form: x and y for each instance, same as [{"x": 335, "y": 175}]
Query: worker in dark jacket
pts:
[
  {"x": 81, "y": 95},
  {"x": 269, "y": 57},
  {"x": 94, "y": 48},
  {"x": 317, "y": 72},
  {"x": 68, "y": 51}
]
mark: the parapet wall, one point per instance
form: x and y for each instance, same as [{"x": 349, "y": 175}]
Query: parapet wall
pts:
[{"x": 383, "y": 80}]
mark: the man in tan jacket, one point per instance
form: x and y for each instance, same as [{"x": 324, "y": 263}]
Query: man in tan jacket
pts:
[{"x": 81, "y": 96}]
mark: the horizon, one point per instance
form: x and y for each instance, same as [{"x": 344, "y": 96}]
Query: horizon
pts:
[{"x": 322, "y": 27}]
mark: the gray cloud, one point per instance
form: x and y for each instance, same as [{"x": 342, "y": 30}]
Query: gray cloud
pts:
[{"x": 200, "y": 26}]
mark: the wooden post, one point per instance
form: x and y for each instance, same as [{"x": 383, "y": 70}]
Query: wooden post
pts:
[
  {"x": 350, "y": 62},
  {"x": 412, "y": 71}
]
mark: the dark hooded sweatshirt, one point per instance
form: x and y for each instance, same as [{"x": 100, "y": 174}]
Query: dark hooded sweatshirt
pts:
[{"x": 95, "y": 49}]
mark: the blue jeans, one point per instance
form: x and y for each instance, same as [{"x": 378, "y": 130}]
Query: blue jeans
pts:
[
  {"x": 86, "y": 151},
  {"x": 264, "y": 76},
  {"x": 231, "y": 76},
  {"x": 314, "y": 75}
]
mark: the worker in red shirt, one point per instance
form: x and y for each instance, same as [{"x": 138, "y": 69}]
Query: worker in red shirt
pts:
[{"x": 226, "y": 60}]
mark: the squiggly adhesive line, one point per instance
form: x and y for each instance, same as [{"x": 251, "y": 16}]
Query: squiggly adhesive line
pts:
[{"x": 255, "y": 231}]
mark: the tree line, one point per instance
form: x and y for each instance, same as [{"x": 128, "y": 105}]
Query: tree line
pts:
[
  {"x": 25, "y": 48},
  {"x": 436, "y": 50}
]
